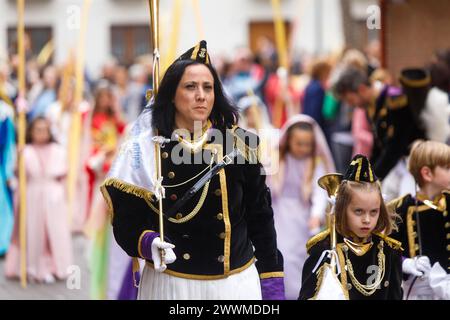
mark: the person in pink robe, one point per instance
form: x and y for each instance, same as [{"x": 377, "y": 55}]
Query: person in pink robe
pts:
[
  {"x": 299, "y": 204},
  {"x": 48, "y": 241}
]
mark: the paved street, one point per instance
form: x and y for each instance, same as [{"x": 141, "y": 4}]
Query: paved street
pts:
[{"x": 11, "y": 289}]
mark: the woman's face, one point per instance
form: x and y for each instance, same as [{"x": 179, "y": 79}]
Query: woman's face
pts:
[
  {"x": 363, "y": 212},
  {"x": 301, "y": 143},
  {"x": 40, "y": 133},
  {"x": 194, "y": 97}
]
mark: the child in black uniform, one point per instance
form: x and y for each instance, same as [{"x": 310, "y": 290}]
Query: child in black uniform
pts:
[{"x": 369, "y": 262}]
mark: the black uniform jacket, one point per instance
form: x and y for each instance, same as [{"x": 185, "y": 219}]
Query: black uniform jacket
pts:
[
  {"x": 364, "y": 267},
  {"x": 394, "y": 127},
  {"x": 425, "y": 227},
  {"x": 222, "y": 228}
]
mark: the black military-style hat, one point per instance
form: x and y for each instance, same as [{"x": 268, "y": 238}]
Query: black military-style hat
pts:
[
  {"x": 360, "y": 170},
  {"x": 416, "y": 83},
  {"x": 198, "y": 53},
  {"x": 415, "y": 78}
]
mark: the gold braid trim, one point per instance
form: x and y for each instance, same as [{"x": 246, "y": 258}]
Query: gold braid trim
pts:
[
  {"x": 125, "y": 187},
  {"x": 267, "y": 275},
  {"x": 394, "y": 244},
  {"x": 140, "y": 241},
  {"x": 201, "y": 276},
  {"x": 128, "y": 188},
  {"x": 319, "y": 276},
  {"x": 416, "y": 83},
  {"x": 315, "y": 239},
  {"x": 344, "y": 281},
  {"x": 399, "y": 102},
  {"x": 108, "y": 200},
  {"x": 252, "y": 155},
  {"x": 396, "y": 203}
]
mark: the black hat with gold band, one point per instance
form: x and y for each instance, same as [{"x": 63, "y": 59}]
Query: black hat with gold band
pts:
[
  {"x": 416, "y": 83},
  {"x": 198, "y": 53},
  {"x": 415, "y": 78},
  {"x": 359, "y": 170}
]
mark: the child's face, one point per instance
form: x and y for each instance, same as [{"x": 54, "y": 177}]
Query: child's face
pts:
[
  {"x": 363, "y": 212},
  {"x": 301, "y": 143},
  {"x": 252, "y": 116},
  {"x": 40, "y": 133},
  {"x": 440, "y": 177}
]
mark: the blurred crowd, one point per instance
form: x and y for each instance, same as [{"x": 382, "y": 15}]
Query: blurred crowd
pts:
[{"x": 71, "y": 142}]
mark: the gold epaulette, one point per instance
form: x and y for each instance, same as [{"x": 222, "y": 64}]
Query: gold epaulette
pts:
[
  {"x": 396, "y": 203},
  {"x": 315, "y": 239},
  {"x": 125, "y": 187},
  {"x": 251, "y": 154},
  {"x": 128, "y": 188},
  {"x": 394, "y": 244},
  {"x": 397, "y": 102}
]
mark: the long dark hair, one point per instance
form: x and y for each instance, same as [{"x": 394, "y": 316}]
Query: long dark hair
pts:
[
  {"x": 28, "y": 135},
  {"x": 224, "y": 113}
]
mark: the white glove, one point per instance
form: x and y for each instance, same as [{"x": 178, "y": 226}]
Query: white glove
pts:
[
  {"x": 169, "y": 257},
  {"x": 423, "y": 264},
  {"x": 417, "y": 266}
]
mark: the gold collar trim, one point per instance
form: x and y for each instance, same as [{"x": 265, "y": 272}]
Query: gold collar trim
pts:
[
  {"x": 197, "y": 143},
  {"x": 438, "y": 203},
  {"x": 359, "y": 249}
]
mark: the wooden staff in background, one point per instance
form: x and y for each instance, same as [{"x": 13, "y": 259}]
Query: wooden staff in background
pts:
[
  {"x": 75, "y": 128},
  {"x": 22, "y": 124},
  {"x": 282, "y": 51}
]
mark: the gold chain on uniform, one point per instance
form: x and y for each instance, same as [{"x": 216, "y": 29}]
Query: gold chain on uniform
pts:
[
  {"x": 197, "y": 175},
  {"x": 368, "y": 290},
  {"x": 200, "y": 202},
  {"x": 194, "y": 145}
]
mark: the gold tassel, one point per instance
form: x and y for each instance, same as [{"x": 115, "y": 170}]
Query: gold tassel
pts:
[
  {"x": 252, "y": 155},
  {"x": 128, "y": 188},
  {"x": 136, "y": 268}
]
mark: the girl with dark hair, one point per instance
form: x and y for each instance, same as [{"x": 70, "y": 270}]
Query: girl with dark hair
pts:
[
  {"x": 49, "y": 247},
  {"x": 214, "y": 236}
]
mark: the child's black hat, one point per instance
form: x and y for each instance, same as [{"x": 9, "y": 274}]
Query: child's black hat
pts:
[{"x": 360, "y": 170}]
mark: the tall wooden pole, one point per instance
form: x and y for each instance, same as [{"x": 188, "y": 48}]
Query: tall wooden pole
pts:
[
  {"x": 282, "y": 50},
  {"x": 154, "y": 20},
  {"x": 280, "y": 35},
  {"x": 75, "y": 129},
  {"x": 21, "y": 137},
  {"x": 175, "y": 32}
]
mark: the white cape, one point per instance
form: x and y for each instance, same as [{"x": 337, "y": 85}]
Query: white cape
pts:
[{"x": 135, "y": 162}]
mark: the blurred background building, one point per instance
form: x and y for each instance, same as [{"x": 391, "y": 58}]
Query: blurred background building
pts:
[{"x": 119, "y": 28}]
